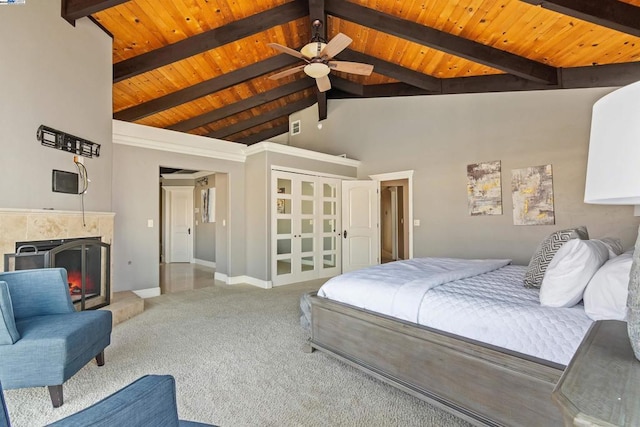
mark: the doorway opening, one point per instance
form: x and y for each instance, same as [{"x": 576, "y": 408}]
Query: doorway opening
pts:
[
  {"x": 187, "y": 231},
  {"x": 394, "y": 230},
  {"x": 396, "y": 215}
]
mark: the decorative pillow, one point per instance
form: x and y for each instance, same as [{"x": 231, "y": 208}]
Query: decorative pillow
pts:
[
  {"x": 8, "y": 331},
  {"x": 570, "y": 270},
  {"x": 614, "y": 245},
  {"x": 545, "y": 252},
  {"x": 605, "y": 297}
]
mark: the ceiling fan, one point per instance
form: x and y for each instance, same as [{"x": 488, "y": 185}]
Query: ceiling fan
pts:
[{"x": 318, "y": 55}]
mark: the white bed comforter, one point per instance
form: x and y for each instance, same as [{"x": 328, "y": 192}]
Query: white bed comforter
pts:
[{"x": 484, "y": 300}]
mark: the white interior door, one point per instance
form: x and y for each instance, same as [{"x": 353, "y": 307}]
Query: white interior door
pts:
[
  {"x": 360, "y": 217},
  {"x": 180, "y": 224}
]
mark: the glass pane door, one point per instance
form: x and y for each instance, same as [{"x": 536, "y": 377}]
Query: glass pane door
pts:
[
  {"x": 307, "y": 236},
  {"x": 330, "y": 217},
  {"x": 284, "y": 232}
]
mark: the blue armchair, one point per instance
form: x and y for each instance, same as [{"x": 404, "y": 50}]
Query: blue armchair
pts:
[
  {"x": 44, "y": 341},
  {"x": 149, "y": 401}
]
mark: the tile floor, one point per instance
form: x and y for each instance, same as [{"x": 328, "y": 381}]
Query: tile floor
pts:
[{"x": 178, "y": 277}]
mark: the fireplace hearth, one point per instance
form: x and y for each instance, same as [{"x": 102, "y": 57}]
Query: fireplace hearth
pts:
[{"x": 86, "y": 260}]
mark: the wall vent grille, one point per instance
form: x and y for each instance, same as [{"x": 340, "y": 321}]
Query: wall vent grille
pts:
[{"x": 295, "y": 127}]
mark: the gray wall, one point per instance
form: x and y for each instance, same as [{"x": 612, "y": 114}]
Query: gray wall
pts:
[
  {"x": 136, "y": 199},
  {"x": 58, "y": 75},
  {"x": 257, "y": 201},
  {"x": 205, "y": 232},
  {"x": 438, "y": 136}
]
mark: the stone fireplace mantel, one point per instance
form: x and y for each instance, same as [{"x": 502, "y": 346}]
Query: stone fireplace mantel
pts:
[{"x": 18, "y": 225}]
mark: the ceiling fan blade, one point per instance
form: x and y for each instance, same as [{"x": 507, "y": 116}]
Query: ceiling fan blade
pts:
[
  {"x": 287, "y": 50},
  {"x": 323, "y": 83},
  {"x": 287, "y": 72},
  {"x": 351, "y": 67},
  {"x": 336, "y": 45}
]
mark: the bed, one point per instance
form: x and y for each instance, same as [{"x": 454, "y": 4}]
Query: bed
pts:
[{"x": 465, "y": 335}]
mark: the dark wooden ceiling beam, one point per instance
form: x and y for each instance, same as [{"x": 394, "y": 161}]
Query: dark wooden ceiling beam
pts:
[
  {"x": 414, "y": 78},
  {"x": 245, "y": 104},
  {"x": 609, "y": 75},
  {"x": 348, "y": 89},
  {"x": 76, "y": 9},
  {"x": 263, "y": 118},
  {"x": 346, "y": 86},
  {"x": 205, "y": 88},
  {"x": 321, "y": 97},
  {"x": 209, "y": 40},
  {"x": 264, "y": 135},
  {"x": 442, "y": 41},
  {"x": 605, "y": 75},
  {"x": 612, "y": 14},
  {"x": 316, "y": 11}
]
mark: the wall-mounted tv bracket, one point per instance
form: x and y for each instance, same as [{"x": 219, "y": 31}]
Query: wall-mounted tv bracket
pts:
[{"x": 63, "y": 141}]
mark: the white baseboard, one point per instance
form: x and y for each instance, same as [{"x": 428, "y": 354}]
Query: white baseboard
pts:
[
  {"x": 264, "y": 284},
  {"x": 148, "y": 293},
  {"x": 205, "y": 263}
]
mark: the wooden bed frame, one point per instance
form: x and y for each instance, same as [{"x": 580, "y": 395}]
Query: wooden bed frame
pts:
[{"x": 482, "y": 384}]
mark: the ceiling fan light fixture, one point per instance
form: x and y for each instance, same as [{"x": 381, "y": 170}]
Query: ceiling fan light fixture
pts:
[
  {"x": 311, "y": 50},
  {"x": 316, "y": 69}
]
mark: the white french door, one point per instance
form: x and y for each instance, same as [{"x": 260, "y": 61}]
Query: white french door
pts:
[{"x": 305, "y": 227}]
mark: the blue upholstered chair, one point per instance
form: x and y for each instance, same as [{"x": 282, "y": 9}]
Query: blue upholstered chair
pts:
[
  {"x": 149, "y": 401},
  {"x": 43, "y": 339}
]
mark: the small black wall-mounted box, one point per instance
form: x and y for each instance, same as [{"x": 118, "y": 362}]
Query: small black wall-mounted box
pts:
[{"x": 64, "y": 182}]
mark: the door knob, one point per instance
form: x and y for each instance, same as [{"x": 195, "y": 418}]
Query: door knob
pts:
[{"x": 344, "y": 234}]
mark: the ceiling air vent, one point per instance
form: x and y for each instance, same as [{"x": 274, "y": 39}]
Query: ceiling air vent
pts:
[{"x": 295, "y": 127}]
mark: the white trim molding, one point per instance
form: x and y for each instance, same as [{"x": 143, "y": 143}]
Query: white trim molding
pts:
[
  {"x": 309, "y": 172},
  {"x": 211, "y": 264},
  {"x": 151, "y": 138},
  {"x": 176, "y": 142},
  {"x": 147, "y": 293},
  {"x": 236, "y": 280},
  {"x": 299, "y": 152}
]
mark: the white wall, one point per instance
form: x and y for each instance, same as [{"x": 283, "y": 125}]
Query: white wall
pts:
[
  {"x": 438, "y": 136},
  {"x": 58, "y": 75}
]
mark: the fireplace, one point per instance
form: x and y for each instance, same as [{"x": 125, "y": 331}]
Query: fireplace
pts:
[{"x": 86, "y": 260}]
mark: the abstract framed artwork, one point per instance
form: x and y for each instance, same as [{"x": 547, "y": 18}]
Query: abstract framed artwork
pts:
[
  {"x": 484, "y": 188},
  {"x": 204, "y": 204},
  {"x": 532, "y": 195},
  {"x": 208, "y": 204}
]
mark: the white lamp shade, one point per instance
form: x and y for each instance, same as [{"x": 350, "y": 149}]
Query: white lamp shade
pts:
[
  {"x": 316, "y": 69},
  {"x": 311, "y": 50},
  {"x": 613, "y": 168}
]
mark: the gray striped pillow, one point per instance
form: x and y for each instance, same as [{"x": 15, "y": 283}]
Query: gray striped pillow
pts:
[{"x": 545, "y": 252}]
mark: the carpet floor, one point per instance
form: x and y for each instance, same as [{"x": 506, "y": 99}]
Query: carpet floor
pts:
[{"x": 236, "y": 354}]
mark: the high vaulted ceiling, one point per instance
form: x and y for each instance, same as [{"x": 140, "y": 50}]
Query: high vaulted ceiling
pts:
[{"x": 202, "y": 66}]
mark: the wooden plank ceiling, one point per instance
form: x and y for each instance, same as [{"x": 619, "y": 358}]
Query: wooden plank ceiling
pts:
[{"x": 202, "y": 66}]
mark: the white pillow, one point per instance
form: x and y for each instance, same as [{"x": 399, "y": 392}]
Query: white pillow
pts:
[
  {"x": 605, "y": 297},
  {"x": 570, "y": 270}
]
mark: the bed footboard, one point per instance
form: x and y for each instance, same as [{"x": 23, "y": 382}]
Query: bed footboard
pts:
[{"x": 479, "y": 383}]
